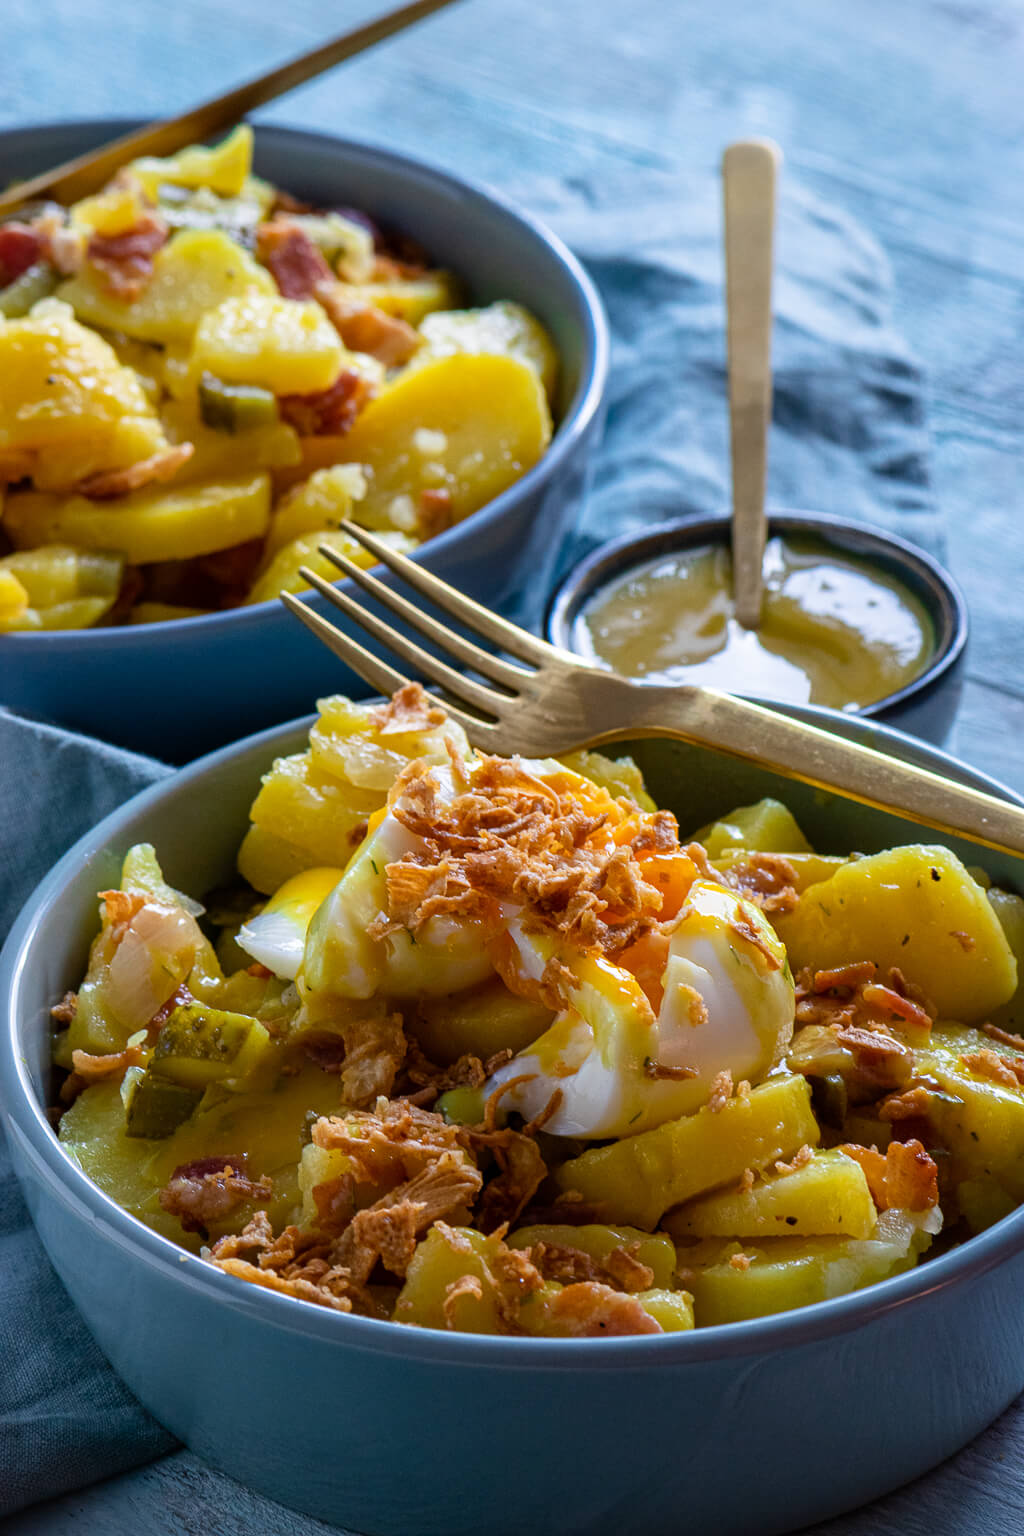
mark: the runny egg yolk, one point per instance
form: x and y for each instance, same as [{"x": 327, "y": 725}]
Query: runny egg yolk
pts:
[{"x": 277, "y": 937}]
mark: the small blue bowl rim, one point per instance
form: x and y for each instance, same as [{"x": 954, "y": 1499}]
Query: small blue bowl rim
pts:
[
  {"x": 583, "y": 408},
  {"x": 639, "y": 547},
  {"x": 71, "y": 1185}
]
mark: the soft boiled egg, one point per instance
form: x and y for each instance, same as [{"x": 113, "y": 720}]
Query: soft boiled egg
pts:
[
  {"x": 277, "y": 937},
  {"x": 616, "y": 1061},
  {"x": 344, "y": 958}
]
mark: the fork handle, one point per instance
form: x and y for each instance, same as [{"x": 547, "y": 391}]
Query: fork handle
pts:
[{"x": 796, "y": 750}]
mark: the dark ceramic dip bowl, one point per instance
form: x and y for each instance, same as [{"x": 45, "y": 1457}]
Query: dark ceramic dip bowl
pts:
[{"x": 925, "y": 707}]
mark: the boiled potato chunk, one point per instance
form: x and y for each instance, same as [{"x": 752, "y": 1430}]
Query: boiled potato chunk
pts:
[
  {"x": 92, "y": 1131},
  {"x": 409, "y": 299},
  {"x": 619, "y": 776},
  {"x": 788, "y": 1272},
  {"x": 266, "y": 860},
  {"x": 321, "y": 502},
  {"x": 916, "y": 908},
  {"x": 504, "y": 329},
  {"x": 225, "y": 455},
  {"x": 224, "y": 169},
  {"x": 827, "y": 1196},
  {"x": 1009, "y": 908},
  {"x": 60, "y": 587},
  {"x": 765, "y": 827},
  {"x": 348, "y": 741},
  {"x": 194, "y": 272},
  {"x": 468, "y": 425},
  {"x": 637, "y": 1179},
  {"x": 67, "y": 405},
  {"x": 979, "y": 1121},
  {"x": 284, "y": 345},
  {"x": 313, "y": 810},
  {"x": 479, "y": 1022},
  {"x": 672, "y": 1310},
  {"x": 651, "y": 1248},
  {"x": 165, "y": 523},
  {"x": 442, "y": 1258}
]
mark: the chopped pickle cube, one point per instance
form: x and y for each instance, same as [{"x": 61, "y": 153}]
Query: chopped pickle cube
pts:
[
  {"x": 235, "y": 407},
  {"x": 37, "y": 282},
  {"x": 158, "y": 1105},
  {"x": 199, "y": 1045}
]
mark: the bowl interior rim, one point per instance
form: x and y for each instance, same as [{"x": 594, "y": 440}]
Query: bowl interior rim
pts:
[
  {"x": 577, "y": 420},
  {"x": 934, "y": 585},
  {"x": 26, "y": 1119}
]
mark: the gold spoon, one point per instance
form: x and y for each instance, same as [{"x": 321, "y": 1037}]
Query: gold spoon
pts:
[
  {"x": 749, "y": 173},
  {"x": 87, "y": 173}
]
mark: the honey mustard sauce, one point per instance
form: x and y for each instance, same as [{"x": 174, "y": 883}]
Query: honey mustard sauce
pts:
[{"x": 834, "y": 630}]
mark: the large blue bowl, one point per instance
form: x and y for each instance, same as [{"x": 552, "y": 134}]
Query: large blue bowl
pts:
[
  {"x": 744, "y": 1430},
  {"x": 181, "y": 688}
]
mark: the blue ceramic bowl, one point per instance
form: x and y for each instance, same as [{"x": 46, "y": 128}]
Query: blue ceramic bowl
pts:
[
  {"x": 181, "y": 688},
  {"x": 744, "y": 1430},
  {"x": 925, "y": 707}
]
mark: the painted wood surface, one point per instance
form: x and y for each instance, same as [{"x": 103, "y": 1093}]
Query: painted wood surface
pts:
[{"x": 907, "y": 113}]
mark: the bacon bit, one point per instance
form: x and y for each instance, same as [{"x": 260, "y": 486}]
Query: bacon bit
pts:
[
  {"x": 589, "y": 1310},
  {"x": 655, "y": 1070},
  {"x": 365, "y": 328},
  {"x": 327, "y": 412},
  {"x": 801, "y": 1159},
  {"x": 209, "y": 1189},
  {"x": 126, "y": 261},
  {"x": 739, "y": 1261},
  {"x": 21, "y": 245},
  {"x": 913, "y": 1104},
  {"x": 871, "y": 1044},
  {"x": 1005, "y": 1070},
  {"x": 845, "y": 977},
  {"x": 466, "y": 1285},
  {"x": 409, "y": 709},
  {"x": 435, "y": 512},
  {"x": 696, "y": 1008},
  {"x": 296, "y": 262},
  {"x": 63, "y": 1013},
  {"x": 1003, "y": 1036},
  {"x": 721, "y": 1091},
  {"x": 767, "y": 879},
  {"x": 107, "y": 484},
  {"x": 965, "y": 940},
  {"x": 889, "y": 1001},
  {"x": 905, "y": 1178},
  {"x": 180, "y": 998}
]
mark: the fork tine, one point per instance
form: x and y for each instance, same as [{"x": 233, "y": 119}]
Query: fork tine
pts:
[
  {"x": 481, "y": 620},
  {"x": 499, "y": 671},
  {"x": 376, "y": 672},
  {"x": 464, "y": 689}
]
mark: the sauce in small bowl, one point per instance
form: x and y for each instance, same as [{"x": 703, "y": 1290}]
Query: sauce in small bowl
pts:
[{"x": 853, "y": 618}]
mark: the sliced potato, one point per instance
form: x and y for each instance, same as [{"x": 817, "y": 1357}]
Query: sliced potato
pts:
[
  {"x": 194, "y": 272},
  {"x": 60, "y": 588},
  {"x": 467, "y": 425},
  {"x": 827, "y": 1196},
  {"x": 320, "y": 503},
  {"x": 284, "y": 345},
  {"x": 504, "y": 329},
  {"x": 914, "y": 907},
  {"x": 410, "y": 299},
  {"x": 637, "y": 1179},
  {"x": 173, "y": 523},
  {"x": 224, "y": 169}
]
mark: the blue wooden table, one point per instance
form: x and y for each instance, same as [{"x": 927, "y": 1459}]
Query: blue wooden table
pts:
[{"x": 907, "y": 113}]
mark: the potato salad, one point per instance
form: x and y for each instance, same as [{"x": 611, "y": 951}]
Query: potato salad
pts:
[
  {"x": 201, "y": 376},
  {"x": 485, "y": 1044}
]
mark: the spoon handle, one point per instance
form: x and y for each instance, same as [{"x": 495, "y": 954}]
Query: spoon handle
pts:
[{"x": 749, "y": 171}]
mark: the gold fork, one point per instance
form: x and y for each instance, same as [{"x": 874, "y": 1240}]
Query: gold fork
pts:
[{"x": 547, "y": 702}]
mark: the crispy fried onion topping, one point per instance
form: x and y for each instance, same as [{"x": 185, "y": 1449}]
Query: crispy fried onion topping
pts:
[
  {"x": 767, "y": 879},
  {"x": 845, "y": 1020},
  {"x": 513, "y": 837}
]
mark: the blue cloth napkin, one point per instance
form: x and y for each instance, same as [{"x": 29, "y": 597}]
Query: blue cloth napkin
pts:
[{"x": 849, "y": 438}]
